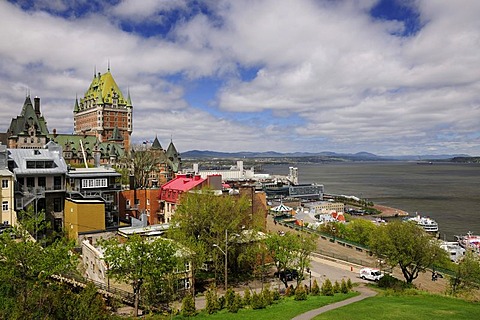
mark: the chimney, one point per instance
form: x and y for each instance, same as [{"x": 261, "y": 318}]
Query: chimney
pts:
[
  {"x": 36, "y": 103},
  {"x": 55, "y": 133}
]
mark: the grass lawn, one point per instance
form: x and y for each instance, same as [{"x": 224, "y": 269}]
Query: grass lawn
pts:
[
  {"x": 287, "y": 308},
  {"x": 418, "y": 307}
]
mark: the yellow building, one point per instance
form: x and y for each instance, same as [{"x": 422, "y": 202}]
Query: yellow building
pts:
[
  {"x": 9, "y": 216},
  {"x": 84, "y": 215}
]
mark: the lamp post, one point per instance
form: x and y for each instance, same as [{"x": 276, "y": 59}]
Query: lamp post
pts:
[
  {"x": 310, "y": 273},
  {"x": 334, "y": 233},
  {"x": 225, "y": 253}
]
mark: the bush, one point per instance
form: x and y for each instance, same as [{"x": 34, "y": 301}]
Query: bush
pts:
[
  {"x": 327, "y": 288},
  {"x": 389, "y": 282},
  {"x": 212, "y": 302},
  {"x": 257, "y": 301},
  {"x": 300, "y": 293},
  {"x": 290, "y": 291},
  {"x": 336, "y": 287},
  {"x": 267, "y": 296},
  {"x": 315, "y": 288},
  {"x": 349, "y": 284},
  {"x": 247, "y": 297},
  {"x": 343, "y": 287},
  {"x": 188, "y": 306},
  {"x": 236, "y": 303},
  {"x": 229, "y": 297},
  {"x": 276, "y": 295}
]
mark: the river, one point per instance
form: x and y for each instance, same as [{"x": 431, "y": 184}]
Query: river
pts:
[{"x": 446, "y": 192}]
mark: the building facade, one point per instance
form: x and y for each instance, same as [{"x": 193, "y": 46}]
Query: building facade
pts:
[
  {"x": 104, "y": 112},
  {"x": 40, "y": 181},
  {"x": 29, "y": 129},
  {"x": 89, "y": 185},
  {"x": 9, "y": 216}
]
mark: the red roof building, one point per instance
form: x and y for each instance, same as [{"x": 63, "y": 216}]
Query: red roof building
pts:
[{"x": 171, "y": 191}]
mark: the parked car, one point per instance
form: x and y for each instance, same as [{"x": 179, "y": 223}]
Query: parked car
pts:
[
  {"x": 287, "y": 274},
  {"x": 370, "y": 274}
]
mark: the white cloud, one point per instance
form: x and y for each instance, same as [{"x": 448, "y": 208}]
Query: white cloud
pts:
[{"x": 329, "y": 76}]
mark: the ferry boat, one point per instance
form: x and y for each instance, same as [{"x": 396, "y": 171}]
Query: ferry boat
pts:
[
  {"x": 469, "y": 241},
  {"x": 428, "y": 224},
  {"x": 455, "y": 251}
]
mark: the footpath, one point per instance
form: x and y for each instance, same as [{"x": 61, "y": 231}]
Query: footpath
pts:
[{"x": 364, "y": 293}]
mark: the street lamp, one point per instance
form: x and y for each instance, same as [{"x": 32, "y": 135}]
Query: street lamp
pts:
[
  {"x": 225, "y": 253},
  {"x": 310, "y": 273},
  {"x": 334, "y": 232}
]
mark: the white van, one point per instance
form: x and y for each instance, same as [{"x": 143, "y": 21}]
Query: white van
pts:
[{"x": 370, "y": 274}]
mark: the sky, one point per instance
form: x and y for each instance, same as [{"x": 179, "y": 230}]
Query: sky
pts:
[{"x": 391, "y": 77}]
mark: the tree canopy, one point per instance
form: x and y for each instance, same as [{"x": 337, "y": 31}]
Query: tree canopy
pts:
[
  {"x": 408, "y": 246},
  {"x": 203, "y": 220},
  {"x": 140, "y": 261}
]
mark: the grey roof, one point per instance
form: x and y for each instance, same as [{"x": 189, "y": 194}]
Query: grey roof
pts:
[
  {"x": 5, "y": 173},
  {"x": 21, "y": 156},
  {"x": 93, "y": 172}
]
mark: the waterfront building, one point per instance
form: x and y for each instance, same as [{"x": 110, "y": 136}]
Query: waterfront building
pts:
[{"x": 324, "y": 207}]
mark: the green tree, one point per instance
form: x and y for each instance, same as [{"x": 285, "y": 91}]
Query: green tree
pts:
[
  {"x": 139, "y": 261},
  {"x": 315, "y": 288},
  {"x": 408, "y": 246},
  {"x": 204, "y": 220},
  {"x": 26, "y": 268},
  {"x": 188, "y": 306},
  {"x": 467, "y": 274},
  {"x": 360, "y": 230},
  {"x": 141, "y": 163},
  {"x": 300, "y": 293},
  {"x": 336, "y": 287},
  {"x": 327, "y": 288},
  {"x": 344, "y": 287},
  {"x": 290, "y": 251},
  {"x": 247, "y": 297}
]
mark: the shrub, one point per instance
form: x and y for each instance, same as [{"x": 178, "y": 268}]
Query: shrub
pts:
[
  {"x": 315, "y": 288},
  {"x": 344, "y": 287},
  {"x": 188, "y": 306},
  {"x": 257, "y": 301},
  {"x": 229, "y": 297},
  {"x": 236, "y": 303},
  {"x": 290, "y": 291},
  {"x": 389, "y": 282},
  {"x": 267, "y": 296},
  {"x": 327, "y": 288},
  {"x": 336, "y": 287},
  {"x": 212, "y": 304},
  {"x": 349, "y": 284},
  {"x": 300, "y": 293},
  {"x": 247, "y": 297},
  {"x": 276, "y": 295}
]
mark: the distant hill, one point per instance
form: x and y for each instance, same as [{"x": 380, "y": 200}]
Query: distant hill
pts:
[{"x": 314, "y": 157}]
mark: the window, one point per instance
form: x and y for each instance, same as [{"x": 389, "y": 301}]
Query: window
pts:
[
  {"x": 127, "y": 203},
  {"x": 57, "y": 204},
  {"x": 42, "y": 181},
  {"x": 30, "y": 182},
  {"x": 5, "y": 205},
  {"x": 94, "y": 183},
  {"x": 148, "y": 202},
  {"x": 4, "y": 183}
]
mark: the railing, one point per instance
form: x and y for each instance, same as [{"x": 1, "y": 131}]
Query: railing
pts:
[{"x": 107, "y": 291}]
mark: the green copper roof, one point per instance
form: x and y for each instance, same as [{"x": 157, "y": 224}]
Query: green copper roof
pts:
[
  {"x": 116, "y": 136},
  {"x": 27, "y": 118},
  {"x": 156, "y": 144},
  {"x": 103, "y": 89},
  {"x": 71, "y": 142}
]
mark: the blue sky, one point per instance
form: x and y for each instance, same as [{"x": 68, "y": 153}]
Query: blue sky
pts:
[{"x": 388, "y": 77}]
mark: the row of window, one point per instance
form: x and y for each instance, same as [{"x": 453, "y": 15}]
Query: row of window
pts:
[{"x": 94, "y": 183}]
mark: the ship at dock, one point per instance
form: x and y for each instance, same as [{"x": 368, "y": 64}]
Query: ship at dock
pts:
[
  {"x": 427, "y": 223},
  {"x": 469, "y": 241}
]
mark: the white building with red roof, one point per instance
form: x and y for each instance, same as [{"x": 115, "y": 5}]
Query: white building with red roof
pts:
[{"x": 171, "y": 191}]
